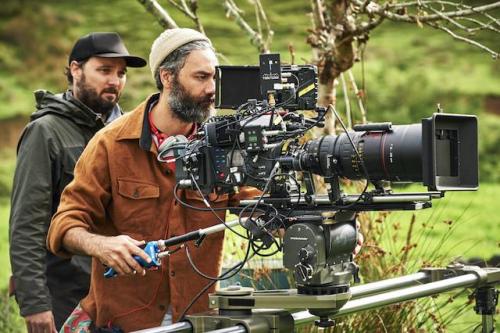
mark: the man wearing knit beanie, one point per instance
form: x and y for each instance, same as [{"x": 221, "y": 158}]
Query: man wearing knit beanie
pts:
[{"x": 122, "y": 196}]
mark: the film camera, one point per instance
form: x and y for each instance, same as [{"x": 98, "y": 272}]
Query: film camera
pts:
[{"x": 259, "y": 145}]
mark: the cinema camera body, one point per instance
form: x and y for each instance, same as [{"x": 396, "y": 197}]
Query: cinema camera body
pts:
[{"x": 259, "y": 145}]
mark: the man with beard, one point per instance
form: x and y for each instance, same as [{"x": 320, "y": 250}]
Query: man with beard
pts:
[
  {"x": 48, "y": 288},
  {"x": 122, "y": 197}
]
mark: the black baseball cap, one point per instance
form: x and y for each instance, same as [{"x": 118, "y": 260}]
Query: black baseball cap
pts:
[{"x": 106, "y": 45}]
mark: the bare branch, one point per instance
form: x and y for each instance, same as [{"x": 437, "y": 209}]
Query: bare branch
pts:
[
  {"x": 181, "y": 9},
  {"x": 357, "y": 93},
  {"x": 269, "y": 31},
  {"x": 317, "y": 6},
  {"x": 257, "y": 18},
  {"x": 160, "y": 13},
  {"x": 381, "y": 10},
  {"x": 193, "y": 4},
  {"x": 446, "y": 18},
  {"x": 185, "y": 6},
  {"x": 466, "y": 40},
  {"x": 232, "y": 11},
  {"x": 481, "y": 25},
  {"x": 404, "y": 5},
  {"x": 426, "y": 14},
  {"x": 346, "y": 101},
  {"x": 420, "y": 3},
  {"x": 366, "y": 27},
  {"x": 189, "y": 11}
]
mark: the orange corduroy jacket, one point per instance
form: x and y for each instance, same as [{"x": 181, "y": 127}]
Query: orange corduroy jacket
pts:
[{"x": 120, "y": 188}]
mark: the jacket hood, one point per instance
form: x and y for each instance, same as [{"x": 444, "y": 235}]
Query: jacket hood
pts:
[{"x": 65, "y": 105}]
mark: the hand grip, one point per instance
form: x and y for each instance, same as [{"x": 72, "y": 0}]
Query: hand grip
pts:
[{"x": 151, "y": 249}]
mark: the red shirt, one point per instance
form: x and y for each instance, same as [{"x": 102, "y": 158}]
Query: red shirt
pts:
[{"x": 159, "y": 138}]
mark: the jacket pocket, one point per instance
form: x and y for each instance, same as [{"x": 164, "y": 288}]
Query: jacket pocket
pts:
[
  {"x": 135, "y": 207},
  {"x": 137, "y": 190}
]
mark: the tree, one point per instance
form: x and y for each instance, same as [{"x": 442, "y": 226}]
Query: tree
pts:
[{"x": 340, "y": 30}]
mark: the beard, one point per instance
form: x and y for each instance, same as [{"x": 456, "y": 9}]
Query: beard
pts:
[
  {"x": 89, "y": 96},
  {"x": 188, "y": 108}
]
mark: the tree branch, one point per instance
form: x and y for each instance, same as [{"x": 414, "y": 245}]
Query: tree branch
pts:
[
  {"x": 466, "y": 40},
  {"x": 374, "y": 8},
  {"x": 182, "y": 9},
  {"x": 160, "y": 13},
  {"x": 357, "y": 93},
  {"x": 262, "y": 13},
  {"x": 232, "y": 11},
  {"x": 451, "y": 13},
  {"x": 194, "y": 10},
  {"x": 481, "y": 25}
]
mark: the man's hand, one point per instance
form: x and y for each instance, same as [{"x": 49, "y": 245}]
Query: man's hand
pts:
[
  {"x": 42, "y": 322},
  {"x": 116, "y": 252}
]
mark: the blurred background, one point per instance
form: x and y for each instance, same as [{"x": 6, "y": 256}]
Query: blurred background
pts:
[{"x": 405, "y": 72}]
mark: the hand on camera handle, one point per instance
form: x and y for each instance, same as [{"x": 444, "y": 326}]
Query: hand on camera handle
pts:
[{"x": 151, "y": 249}]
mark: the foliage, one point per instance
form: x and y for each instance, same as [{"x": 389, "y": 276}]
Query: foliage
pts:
[
  {"x": 379, "y": 262},
  {"x": 10, "y": 321},
  {"x": 6, "y": 171},
  {"x": 489, "y": 128}
]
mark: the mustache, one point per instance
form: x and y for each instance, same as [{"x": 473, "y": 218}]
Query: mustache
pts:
[
  {"x": 208, "y": 99},
  {"x": 110, "y": 90}
]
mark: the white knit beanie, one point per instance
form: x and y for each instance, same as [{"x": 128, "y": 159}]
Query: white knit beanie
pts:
[{"x": 169, "y": 41}]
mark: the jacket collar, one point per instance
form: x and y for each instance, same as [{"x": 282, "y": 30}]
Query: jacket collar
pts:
[
  {"x": 137, "y": 124},
  {"x": 65, "y": 105}
]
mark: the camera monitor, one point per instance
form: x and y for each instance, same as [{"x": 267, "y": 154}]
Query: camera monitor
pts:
[
  {"x": 235, "y": 85},
  {"x": 294, "y": 87}
]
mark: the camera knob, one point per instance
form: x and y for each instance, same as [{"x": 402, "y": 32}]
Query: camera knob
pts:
[
  {"x": 303, "y": 272},
  {"x": 306, "y": 254}
]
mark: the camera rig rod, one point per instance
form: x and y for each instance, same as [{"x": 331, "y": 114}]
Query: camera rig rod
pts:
[
  {"x": 198, "y": 235},
  {"x": 428, "y": 282}
]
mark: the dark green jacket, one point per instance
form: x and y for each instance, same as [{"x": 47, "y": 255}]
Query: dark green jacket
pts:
[{"x": 47, "y": 153}]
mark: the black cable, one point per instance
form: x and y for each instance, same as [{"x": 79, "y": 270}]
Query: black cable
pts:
[
  {"x": 185, "y": 204},
  {"x": 218, "y": 278},
  {"x": 365, "y": 171},
  {"x": 213, "y": 212},
  {"x": 238, "y": 266},
  {"x": 208, "y": 209}
]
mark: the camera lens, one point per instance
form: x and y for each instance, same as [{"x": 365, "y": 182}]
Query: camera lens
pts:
[{"x": 394, "y": 155}]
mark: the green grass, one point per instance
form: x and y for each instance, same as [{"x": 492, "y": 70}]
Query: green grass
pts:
[
  {"x": 462, "y": 224},
  {"x": 4, "y": 243}
]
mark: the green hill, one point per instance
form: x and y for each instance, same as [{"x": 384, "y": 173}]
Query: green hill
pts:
[{"x": 406, "y": 70}]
